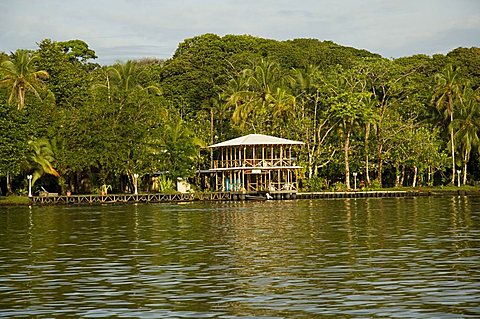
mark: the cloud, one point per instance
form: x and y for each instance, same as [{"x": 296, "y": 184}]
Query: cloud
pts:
[{"x": 122, "y": 29}]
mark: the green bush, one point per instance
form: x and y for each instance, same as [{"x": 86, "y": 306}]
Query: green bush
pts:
[
  {"x": 316, "y": 184},
  {"x": 166, "y": 185},
  {"x": 375, "y": 185},
  {"x": 339, "y": 186},
  {"x": 22, "y": 192}
]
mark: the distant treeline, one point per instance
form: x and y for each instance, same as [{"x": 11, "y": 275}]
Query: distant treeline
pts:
[{"x": 76, "y": 125}]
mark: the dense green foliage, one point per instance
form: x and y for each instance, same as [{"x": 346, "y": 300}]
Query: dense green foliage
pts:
[{"x": 405, "y": 122}]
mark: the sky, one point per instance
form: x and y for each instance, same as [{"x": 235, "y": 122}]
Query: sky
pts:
[{"x": 119, "y": 30}]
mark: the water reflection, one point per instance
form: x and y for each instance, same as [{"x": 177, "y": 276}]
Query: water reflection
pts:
[{"x": 353, "y": 258}]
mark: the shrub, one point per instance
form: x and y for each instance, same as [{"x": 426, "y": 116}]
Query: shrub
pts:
[
  {"x": 165, "y": 184},
  {"x": 339, "y": 186},
  {"x": 375, "y": 184},
  {"x": 316, "y": 184}
]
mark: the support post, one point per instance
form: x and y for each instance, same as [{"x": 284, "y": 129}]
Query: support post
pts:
[
  {"x": 135, "y": 183},
  {"x": 29, "y": 177}
]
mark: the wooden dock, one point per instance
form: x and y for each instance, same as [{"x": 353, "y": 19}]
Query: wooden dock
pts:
[
  {"x": 359, "y": 194},
  {"x": 130, "y": 198},
  {"x": 227, "y": 196},
  {"x": 189, "y": 197},
  {"x": 388, "y": 193}
]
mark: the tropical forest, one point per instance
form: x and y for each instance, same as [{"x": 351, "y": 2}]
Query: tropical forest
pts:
[{"x": 75, "y": 125}]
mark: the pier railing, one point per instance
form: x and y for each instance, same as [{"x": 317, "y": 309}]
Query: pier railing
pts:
[
  {"x": 219, "y": 196},
  {"x": 253, "y": 163},
  {"x": 126, "y": 198}
]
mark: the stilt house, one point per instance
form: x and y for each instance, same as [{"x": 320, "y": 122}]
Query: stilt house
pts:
[{"x": 255, "y": 163}]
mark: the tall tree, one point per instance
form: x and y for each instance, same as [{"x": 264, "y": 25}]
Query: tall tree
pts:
[
  {"x": 312, "y": 121},
  {"x": 127, "y": 114},
  {"x": 447, "y": 96},
  {"x": 351, "y": 109},
  {"x": 69, "y": 68},
  {"x": 262, "y": 98},
  {"x": 20, "y": 75},
  {"x": 350, "y": 103},
  {"x": 467, "y": 125}
]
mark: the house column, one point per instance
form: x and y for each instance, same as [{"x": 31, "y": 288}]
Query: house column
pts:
[
  {"x": 221, "y": 158},
  {"x": 272, "y": 155},
  {"x": 279, "y": 182},
  {"x": 263, "y": 155},
  {"x": 269, "y": 180},
  {"x": 243, "y": 180},
  {"x": 254, "y": 158},
  {"x": 244, "y": 156},
  {"x": 281, "y": 155}
]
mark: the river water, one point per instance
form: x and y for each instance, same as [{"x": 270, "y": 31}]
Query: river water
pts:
[{"x": 339, "y": 258}]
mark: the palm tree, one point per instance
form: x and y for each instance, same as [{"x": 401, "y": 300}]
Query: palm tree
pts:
[
  {"x": 304, "y": 79},
  {"x": 218, "y": 110},
  {"x": 255, "y": 86},
  {"x": 41, "y": 158},
  {"x": 128, "y": 102},
  {"x": 179, "y": 149},
  {"x": 124, "y": 75},
  {"x": 20, "y": 75},
  {"x": 259, "y": 94},
  {"x": 447, "y": 93},
  {"x": 237, "y": 96},
  {"x": 124, "y": 78},
  {"x": 468, "y": 129},
  {"x": 284, "y": 105}
]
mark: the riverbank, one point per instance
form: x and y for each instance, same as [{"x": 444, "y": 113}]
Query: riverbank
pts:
[
  {"x": 226, "y": 196},
  {"x": 467, "y": 191},
  {"x": 15, "y": 200}
]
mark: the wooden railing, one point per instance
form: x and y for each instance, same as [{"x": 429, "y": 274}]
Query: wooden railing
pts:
[
  {"x": 254, "y": 163},
  {"x": 272, "y": 187},
  {"x": 125, "y": 198}
]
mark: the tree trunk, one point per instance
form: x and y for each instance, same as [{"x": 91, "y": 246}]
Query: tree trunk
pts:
[
  {"x": 211, "y": 125},
  {"x": 380, "y": 164},
  {"x": 453, "y": 156},
  {"x": 380, "y": 169},
  {"x": 379, "y": 154},
  {"x": 397, "y": 176},
  {"x": 450, "y": 101},
  {"x": 347, "y": 163},
  {"x": 402, "y": 180},
  {"x": 415, "y": 171},
  {"x": 310, "y": 165},
  {"x": 131, "y": 181},
  {"x": 429, "y": 178},
  {"x": 465, "y": 162},
  {"x": 21, "y": 97},
  {"x": 367, "y": 168},
  {"x": 310, "y": 153},
  {"x": 9, "y": 185}
]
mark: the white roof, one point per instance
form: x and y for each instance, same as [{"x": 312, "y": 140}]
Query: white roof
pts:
[{"x": 256, "y": 139}]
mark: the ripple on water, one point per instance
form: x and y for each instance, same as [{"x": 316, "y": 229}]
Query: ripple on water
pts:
[{"x": 361, "y": 258}]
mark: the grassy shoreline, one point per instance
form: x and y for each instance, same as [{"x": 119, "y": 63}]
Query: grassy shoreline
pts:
[{"x": 16, "y": 200}]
